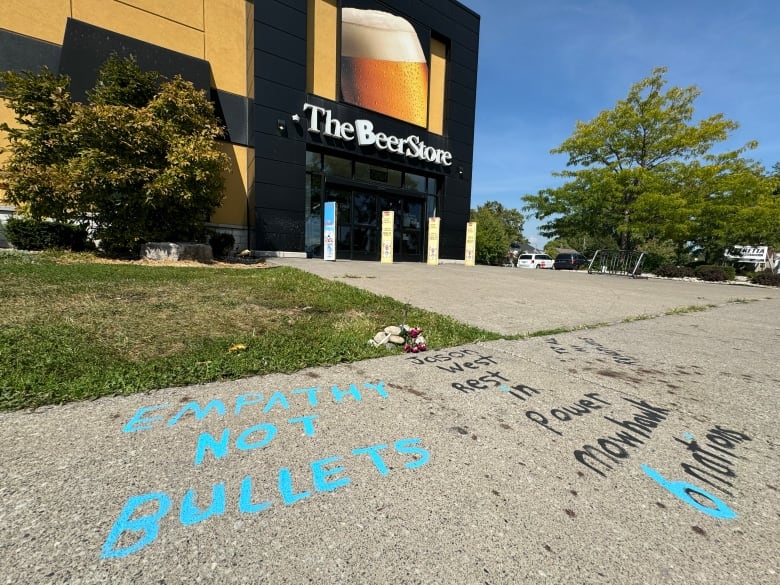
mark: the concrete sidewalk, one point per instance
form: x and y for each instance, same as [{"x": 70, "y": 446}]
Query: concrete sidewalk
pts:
[
  {"x": 514, "y": 301},
  {"x": 645, "y": 451}
]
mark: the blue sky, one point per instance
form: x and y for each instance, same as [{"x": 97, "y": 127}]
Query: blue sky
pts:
[{"x": 544, "y": 64}]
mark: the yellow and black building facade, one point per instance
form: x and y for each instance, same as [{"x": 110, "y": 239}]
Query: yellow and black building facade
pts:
[{"x": 367, "y": 103}]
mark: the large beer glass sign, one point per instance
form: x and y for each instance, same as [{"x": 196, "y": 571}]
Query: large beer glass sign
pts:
[{"x": 383, "y": 65}]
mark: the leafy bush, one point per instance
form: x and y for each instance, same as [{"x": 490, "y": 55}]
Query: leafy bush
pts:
[
  {"x": 669, "y": 271},
  {"x": 767, "y": 278},
  {"x": 221, "y": 244},
  {"x": 658, "y": 253},
  {"x": 652, "y": 262},
  {"x": 712, "y": 273},
  {"x": 33, "y": 234}
]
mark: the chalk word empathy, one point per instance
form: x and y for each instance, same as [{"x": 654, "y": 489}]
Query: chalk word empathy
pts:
[
  {"x": 279, "y": 400},
  {"x": 321, "y": 121}
]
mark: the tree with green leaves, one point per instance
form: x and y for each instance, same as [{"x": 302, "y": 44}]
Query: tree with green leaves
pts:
[
  {"x": 40, "y": 143},
  {"x": 139, "y": 161},
  {"x": 642, "y": 175},
  {"x": 497, "y": 228}
]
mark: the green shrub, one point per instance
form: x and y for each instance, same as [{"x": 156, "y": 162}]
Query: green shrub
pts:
[
  {"x": 221, "y": 244},
  {"x": 767, "y": 278},
  {"x": 32, "y": 234},
  {"x": 669, "y": 271},
  {"x": 712, "y": 273},
  {"x": 652, "y": 262},
  {"x": 658, "y": 253}
]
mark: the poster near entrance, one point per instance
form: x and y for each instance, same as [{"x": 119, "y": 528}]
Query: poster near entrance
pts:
[
  {"x": 388, "y": 219},
  {"x": 471, "y": 242},
  {"x": 329, "y": 231},
  {"x": 433, "y": 240}
]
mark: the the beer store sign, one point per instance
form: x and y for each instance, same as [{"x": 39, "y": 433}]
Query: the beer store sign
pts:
[{"x": 321, "y": 121}]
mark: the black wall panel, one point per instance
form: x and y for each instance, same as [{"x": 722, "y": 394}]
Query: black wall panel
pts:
[
  {"x": 271, "y": 96},
  {"x": 285, "y": 72},
  {"x": 236, "y": 113},
  {"x": 22, "y": 53},
  {"x": 272, "y": 40},
  {"x": 277, "y": 172},
  {"x": 288, "y": 17}
]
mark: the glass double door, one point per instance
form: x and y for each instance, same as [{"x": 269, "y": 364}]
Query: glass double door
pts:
[{"x": 359, "y": 224}]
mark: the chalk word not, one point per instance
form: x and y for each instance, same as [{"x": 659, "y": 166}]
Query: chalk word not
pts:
[{"x": 254, "y": 437}]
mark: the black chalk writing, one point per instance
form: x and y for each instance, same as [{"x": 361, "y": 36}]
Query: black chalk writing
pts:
[{"x": 613, "y": 448}]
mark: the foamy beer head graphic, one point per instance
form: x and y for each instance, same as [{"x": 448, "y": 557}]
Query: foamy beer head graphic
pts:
[{"x": 383, "y": 66}]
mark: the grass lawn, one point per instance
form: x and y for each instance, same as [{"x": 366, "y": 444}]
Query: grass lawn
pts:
[{"x": 75, "y": 328}]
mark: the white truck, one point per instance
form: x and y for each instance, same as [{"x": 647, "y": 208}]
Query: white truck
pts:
[{"x": 752, "y": 258}]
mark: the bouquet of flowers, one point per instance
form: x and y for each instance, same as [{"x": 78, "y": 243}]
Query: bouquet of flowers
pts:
[{"x": 414, "y": 341}]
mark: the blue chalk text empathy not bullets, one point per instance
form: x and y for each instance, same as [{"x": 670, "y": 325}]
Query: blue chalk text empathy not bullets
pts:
[{"x": 139, "y": 522}]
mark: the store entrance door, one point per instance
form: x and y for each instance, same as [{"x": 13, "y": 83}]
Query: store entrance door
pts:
[
  {"x": 359, "y": 224},
  {"x": 408, "y": 235}
]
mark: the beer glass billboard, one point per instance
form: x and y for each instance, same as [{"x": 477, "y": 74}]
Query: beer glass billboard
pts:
[{"x": 383, "y": 65}]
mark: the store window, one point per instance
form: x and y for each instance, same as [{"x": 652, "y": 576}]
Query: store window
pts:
[
  {"x": 313, "y": 162},
  {"x": 414, "y": 182},
  {"x": 340, "y": 167},
  {"x": 378, "y": 174}
]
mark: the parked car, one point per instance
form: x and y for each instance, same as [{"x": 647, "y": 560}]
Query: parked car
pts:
[
  {"x": 534, "y": 261},
  {"x": 569, "y": 261}
]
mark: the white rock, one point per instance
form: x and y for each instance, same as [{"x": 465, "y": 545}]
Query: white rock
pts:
[
  {"x": 397, "y": 339},
  {"x": 393, "y": 330}
]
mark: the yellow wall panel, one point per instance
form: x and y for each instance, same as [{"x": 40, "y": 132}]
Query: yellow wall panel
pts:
[
  {"x": 186, "y": 12},
  {"x": 39, "y": 19},
  {"x": 322, "y": 59},
  {"x": 438, "y": 77},
  {"x": 233, "y": 210},
  {"x": 139, "y": 24},
  {"x": 229, "y": 44}
]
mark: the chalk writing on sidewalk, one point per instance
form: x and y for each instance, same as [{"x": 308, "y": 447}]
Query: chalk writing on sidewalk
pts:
[
  {"x": 142, "y": 517},
  {"x": 714, "y": 463},
  {"x": 713, "y": 460},
  {"x": 590, "y": 346}
]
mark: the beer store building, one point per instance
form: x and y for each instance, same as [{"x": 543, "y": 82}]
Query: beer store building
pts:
[{"x": 366, "y": 103}]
